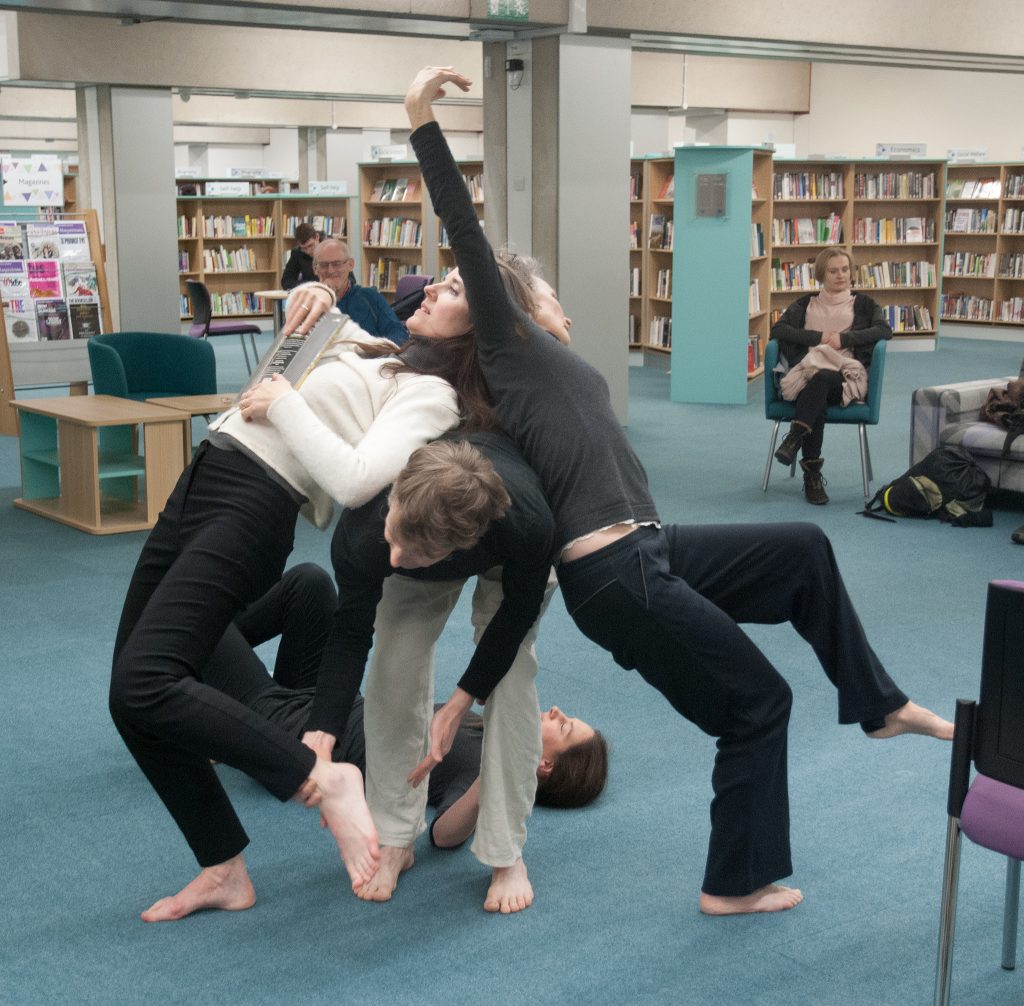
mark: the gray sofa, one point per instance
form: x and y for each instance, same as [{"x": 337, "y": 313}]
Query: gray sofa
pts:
[{"x": 948, "y": 414}]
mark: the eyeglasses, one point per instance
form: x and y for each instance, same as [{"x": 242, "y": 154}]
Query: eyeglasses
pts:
[{"x": 334, "y": 266}]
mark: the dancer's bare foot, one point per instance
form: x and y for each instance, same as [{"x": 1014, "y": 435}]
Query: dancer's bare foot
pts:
[
  {"x": 770, "y": 898},
  {"x": 343, "y": 808},
  {"x": 394, "y": 860},
  {"x": 510, "y": 889},
  {"x": 225, "y": 886},
  {"x": 914, "y": 719}
]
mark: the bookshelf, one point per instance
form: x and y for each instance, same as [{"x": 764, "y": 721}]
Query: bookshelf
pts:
[
  {"x": 760, "y": 263},
  {"x": 637, "y": 231},
  {"x": 657, "y": 238},
  {"x": 983, "y": 262},
  {"x": 887, "y": 214},
  {"x": 473, "y": 175},
  {"x": 715, "y": 265},
  {"x": 237, "y": 245},
  {"x": 391, "y": 196}
]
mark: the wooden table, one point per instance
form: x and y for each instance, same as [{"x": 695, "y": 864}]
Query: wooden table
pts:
[
  {"x": 194, "y": 405},
  {"x": 68, "y": 476}
]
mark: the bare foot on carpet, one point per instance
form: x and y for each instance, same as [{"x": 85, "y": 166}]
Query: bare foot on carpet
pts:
[
  {"x": 914, "y": 719},
  {"x": 394, "y": 860},
  {"x": 343, "y": 808},
  {"x": 225, "y": 886},
  {"x": 510, "y": 889},
  {"x": 770, "y": 898}
]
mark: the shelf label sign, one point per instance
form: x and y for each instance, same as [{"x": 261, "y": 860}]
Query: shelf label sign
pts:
[
  {"x": 328, "y": 188},
  {"x": 901, "y": 149},
  {"x": 967, "y": 154},
  {"x": 389, "y": 152},
  {"x": 33, "y": 181},
  {"x": 227, "y": 188},
  {"x": 509, "y": 10}
]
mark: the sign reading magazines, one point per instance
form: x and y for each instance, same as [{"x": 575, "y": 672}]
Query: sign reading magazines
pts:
[
  {"x": 33, "y": 181},
  {"x": 294, "y": 356}
]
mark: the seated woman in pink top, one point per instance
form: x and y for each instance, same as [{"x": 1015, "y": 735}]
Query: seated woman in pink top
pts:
[{"x": 847, "y": 322}]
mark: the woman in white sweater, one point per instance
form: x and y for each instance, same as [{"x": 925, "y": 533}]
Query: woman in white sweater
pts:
[{"x": 221, "y": 542}]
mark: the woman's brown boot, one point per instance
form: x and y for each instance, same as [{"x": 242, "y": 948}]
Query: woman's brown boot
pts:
[
  {"x": 814, "y": 483},
  {"x": 786, "y": 454}
]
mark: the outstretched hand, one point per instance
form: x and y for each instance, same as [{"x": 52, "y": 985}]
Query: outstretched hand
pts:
[
  {"x": 427, "y": 87},
  {"x": 443, "y": 728},
  {"x": 307, "y": 304}
]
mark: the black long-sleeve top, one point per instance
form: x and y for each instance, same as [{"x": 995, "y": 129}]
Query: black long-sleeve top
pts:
[
  {"x": 553, "y": 404},
  {"x": 298, "y": 269},
  {"x": 522, "y": 543}
]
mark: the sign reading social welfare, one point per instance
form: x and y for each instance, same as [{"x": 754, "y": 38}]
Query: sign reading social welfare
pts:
[
  {"x": 509, "y": 10},
  {"x": 33, "y": 181}
]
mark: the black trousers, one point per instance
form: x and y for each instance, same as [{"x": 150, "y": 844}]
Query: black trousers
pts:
[
  {"x": 667, "y": 602},
  {"x": 219, "y": 544},
  {"x": 825, "y": 388}
]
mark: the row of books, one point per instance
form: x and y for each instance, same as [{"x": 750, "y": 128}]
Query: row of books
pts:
[
  {"x": 236, "y": 260},
  {"x": 898, "y": 230},
  {"x": 807, "y": 231},
  {"x": 754, "y": 298},
  {"x": 1014, "y": 187},
  {"x": 968, "y": 221},
  {"x": 664, "y": 284},
  {"x": 1011, "y": 310},
  {"x": 184, "y": 261},
  {"x": 633, "y": 327},
  {"x": 894, "y": 185},
  {"x": 965, "y": 307},
  {"x": 754, "y": 360},
  {"x": 660, "y": 235},
  {"x": 879, "y": 275},
  {"x": 1013, "y": 222},
  {"x": 238, "y": 227},
  {"x": 634, "y": 281},
  {"x": 908, "y": 318},
  {"x": 634, "y": 234},
  {"x": 67, "y": 240},
  {"x": 1012, "y": 265},
  {"x": 968, "y": 264},
  {"x": 668, "y": 188},
  {"x": 385, "y": 273},
  {"x": 636, "y": 185},
  {"x": 808, "y": 185},
  {"x": 475, "y": 184},
  {"x": 757, "y": 246},
  {"x": 660, "y": 331},
  {"x": 793, "y": 275},
  {"x": 188, "y": 227},
  {"x": 973, "y": 188},
  {"x": 402, "y": 232},
  {"x": 395, "y": 190},
  {"x": 329, "y": 227},
  {"x": 230, "y": 304},
  {"x": 54, "y": 319}
]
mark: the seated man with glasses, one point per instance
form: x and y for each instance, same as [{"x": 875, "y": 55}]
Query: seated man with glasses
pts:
[
  {"x": 333, "y": 264},
  {"x": 299, "y": 267}
]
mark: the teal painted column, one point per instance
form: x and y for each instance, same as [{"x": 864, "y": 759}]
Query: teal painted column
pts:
[{"x": 711, "y": 278}]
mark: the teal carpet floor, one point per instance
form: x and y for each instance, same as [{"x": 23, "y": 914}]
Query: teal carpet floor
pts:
[{"x": 86, "y": 845}]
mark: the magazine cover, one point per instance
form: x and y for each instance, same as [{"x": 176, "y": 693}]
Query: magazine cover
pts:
[
  {"x": 80, "y": 282},
  {"x": 85, "y": 319},
  {"x": 13, "y": 279},
  {"x": 73, "y": 240},
  {"x": 52, "y": 320},
  {"x": 44, "y": 278},
  {"x": 20, "y": 321},
  {"x": 43, "y": 240},
  {"x": 12, "y": 243}
]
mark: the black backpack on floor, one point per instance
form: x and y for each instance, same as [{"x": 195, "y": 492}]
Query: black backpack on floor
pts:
[{"x": 947, "y": 483}]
